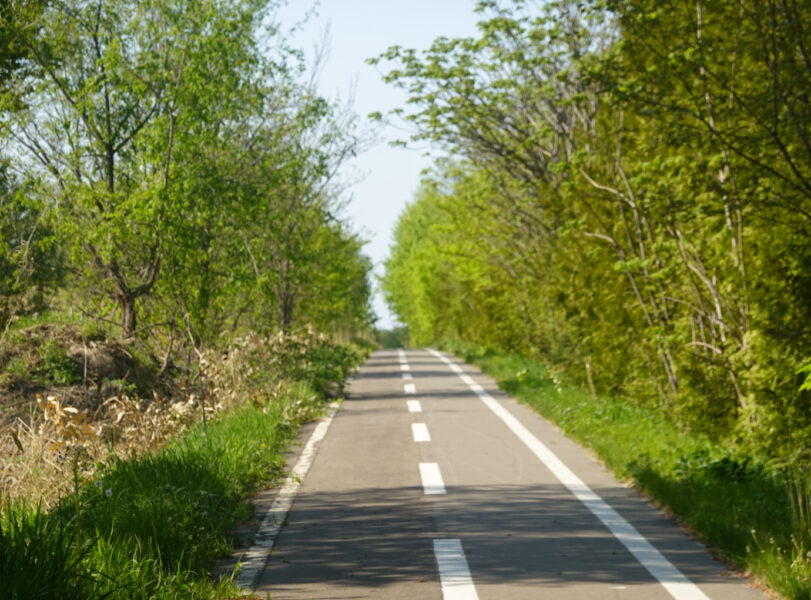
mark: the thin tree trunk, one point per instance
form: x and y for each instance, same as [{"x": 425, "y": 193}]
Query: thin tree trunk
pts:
[{"x": 126, "y": 302}]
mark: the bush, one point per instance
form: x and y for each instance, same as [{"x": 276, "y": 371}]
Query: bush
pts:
[{"x": 55, "y": 366}]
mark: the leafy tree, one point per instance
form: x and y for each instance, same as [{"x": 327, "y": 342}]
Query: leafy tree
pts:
[
  {"x": 13, "y": 51},
  {"x": 181, "y": 157},
  {"x": 123, "y": 86},
  {"x": 630, "y": 202},
  {"x": 30, "y": 265}
]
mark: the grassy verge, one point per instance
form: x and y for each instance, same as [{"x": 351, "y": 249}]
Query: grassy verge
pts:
[
  {"x": 151, "y": 527},
  {"x": 757, "y": 517}
]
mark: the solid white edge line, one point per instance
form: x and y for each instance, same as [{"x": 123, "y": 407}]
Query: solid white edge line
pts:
[
  {"x": 254, "y": 560},
  {"x": 414, "y": 406},
  {"x": 467, "y": 379},
  {"x": 410, "y": 388},
  {"x": 673, "y": 580},
  {"x": 420, "y": 432},
  {"x": 431, "y": 479},
  {"x": 454, "y": 572}
]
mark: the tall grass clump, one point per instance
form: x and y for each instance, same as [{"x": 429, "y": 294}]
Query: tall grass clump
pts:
[
  {"x": 788, "y": 561},
  {"x": 755, "y": 514},
  {"x": 42, "y": 557}
]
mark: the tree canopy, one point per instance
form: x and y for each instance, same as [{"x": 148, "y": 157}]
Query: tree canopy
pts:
[
  {"x": 182, "y": 162},
  {"x": 627, "y": 197}
]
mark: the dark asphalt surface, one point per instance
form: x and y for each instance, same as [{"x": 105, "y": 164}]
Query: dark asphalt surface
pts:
[{"x": 362, "y": 526}]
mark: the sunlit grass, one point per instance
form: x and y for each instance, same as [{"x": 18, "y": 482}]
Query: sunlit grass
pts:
[
  {"x": 152, "y": 527},
  {"x": 140, "y": 495}
]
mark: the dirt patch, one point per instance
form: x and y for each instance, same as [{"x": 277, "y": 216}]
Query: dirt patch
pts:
[
  {"x": 58, "y": 360},
  {"x": 108, "y": 361}
]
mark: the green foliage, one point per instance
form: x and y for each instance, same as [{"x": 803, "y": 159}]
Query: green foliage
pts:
[
  {"x": 624, "y": 199},
  {"x": 40, "y": 555},
  {"x": 806, "y": 371},
  {"x": 266, "y": 362},
  {"x": 13, "y": 52},
  {"x": 55, "y": 366},
  {"x": 29, "y": 262},
  {"x": 396, "y": 337},
  {"x": 185, "y": 164},
  {"x": 93, "y": 331},
  {"x": 172, "y": 166},
  {"x": 18, "y": 368},
  {"x": 169, "y": 512}
]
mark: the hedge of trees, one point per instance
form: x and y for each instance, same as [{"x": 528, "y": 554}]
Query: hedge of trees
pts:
[
  {"x": 627, "y": 194},
  {"x": 170, "y": 164}
]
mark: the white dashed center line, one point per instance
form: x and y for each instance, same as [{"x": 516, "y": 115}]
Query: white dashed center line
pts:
[
  {"x": 454, "y": 573},
  {"x": 420, "y": 432},
  {"x": 414, "y": 406},
  {"x": 408, "y": 376},
  {"x": 410, "y": 388},
  {"x": 431, "y": 479}
]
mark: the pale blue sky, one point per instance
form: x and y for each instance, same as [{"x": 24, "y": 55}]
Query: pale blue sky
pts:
[{"x": 358, "y": 30}]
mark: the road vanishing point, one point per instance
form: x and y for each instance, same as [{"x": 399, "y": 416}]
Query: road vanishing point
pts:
[{"x": 431, "y": 483}]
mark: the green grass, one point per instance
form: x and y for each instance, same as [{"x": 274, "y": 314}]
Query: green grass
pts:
[
  {"x": 90, "y": 328},
  {"x": 149, "y": 528},
  {"x": 721, "y": 494},
  {"x": 39, "y": 554},
  {"x": 55, "y": 366}
]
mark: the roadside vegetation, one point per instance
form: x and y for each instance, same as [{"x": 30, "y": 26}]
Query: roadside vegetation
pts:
[
  {"x": 396, "y": 337},
  {"x": 137, "y": 502},
  {"x": 179, "y": 290},
  {"x": 625, "y": 197}
]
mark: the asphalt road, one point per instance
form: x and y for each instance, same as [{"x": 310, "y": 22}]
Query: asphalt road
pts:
[{"x": 430, "y": 483}]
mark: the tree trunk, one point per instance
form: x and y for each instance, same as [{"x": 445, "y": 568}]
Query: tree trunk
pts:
[
  {"x": 126, "y": 302},
  {"x": 286, "y": 309}
]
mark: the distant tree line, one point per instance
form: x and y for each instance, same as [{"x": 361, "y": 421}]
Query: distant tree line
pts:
[
  {"x": 629, "y": 197},
  {"x": 169, "y": 163}
]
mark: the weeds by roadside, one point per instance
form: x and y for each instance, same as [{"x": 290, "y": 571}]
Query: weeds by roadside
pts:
[
  {"x": 756, "y": 514},
  {"x": 140, "y": 493}
]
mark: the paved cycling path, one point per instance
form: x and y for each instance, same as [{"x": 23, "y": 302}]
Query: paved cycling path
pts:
[{"x": 430, "y": 483}]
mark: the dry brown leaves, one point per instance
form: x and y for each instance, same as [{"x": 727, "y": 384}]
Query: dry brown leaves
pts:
[
  {"x": 41, "y": 450},
  {"x": 40, "y": 454}
]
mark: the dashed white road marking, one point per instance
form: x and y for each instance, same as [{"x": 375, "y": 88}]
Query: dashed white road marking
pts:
[
  {"x": 410, "y": 388},
  {"x": 420, "y": 432},
  {"x": 673, "y": 580},
  {"x": 431, "y": 479},
  {"x": 405, "y": 367},
  {"x": 454, "y": 573},
  {"x": 414, "y": 406},
  {"x": 253, "y": 562},
  {"x": 407, "y": 376}
]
